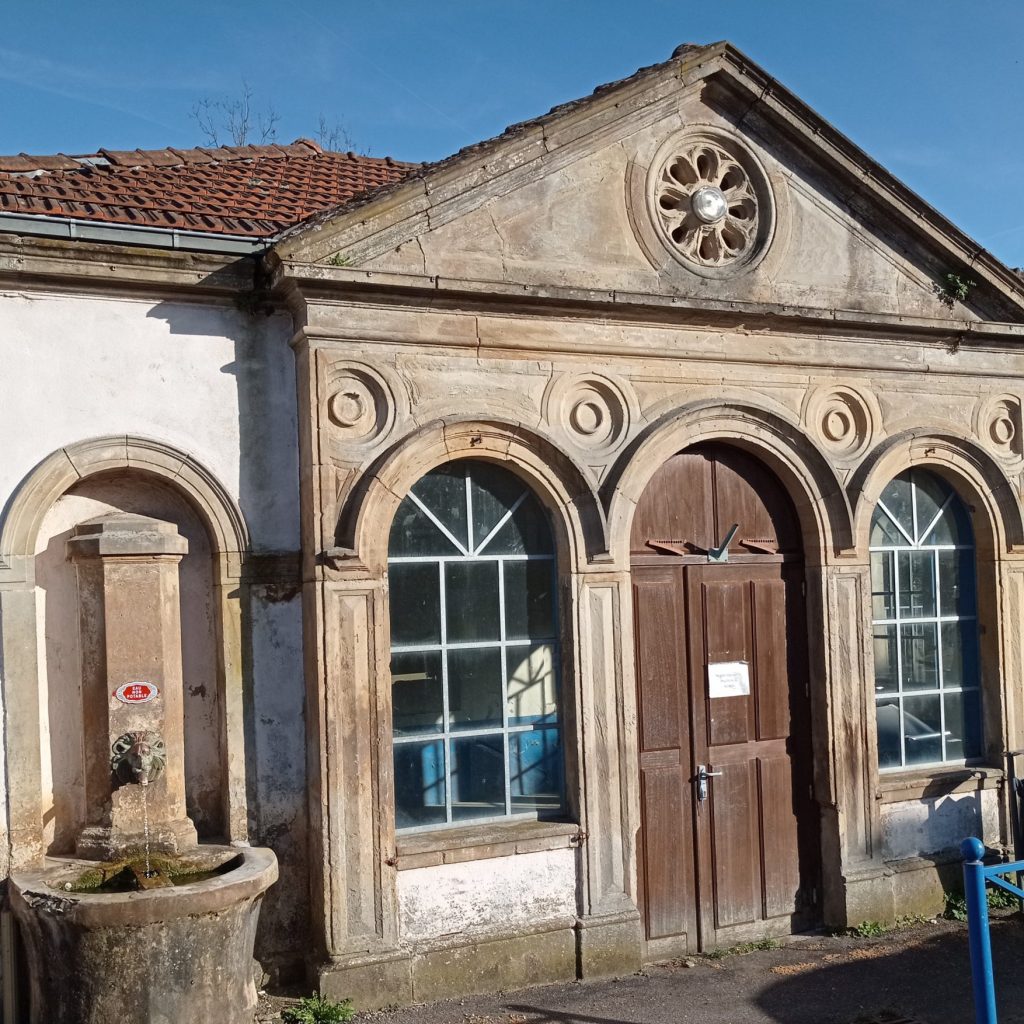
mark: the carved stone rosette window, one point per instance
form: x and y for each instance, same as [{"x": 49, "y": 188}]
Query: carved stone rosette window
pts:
[{"x": 710, "y": 202}]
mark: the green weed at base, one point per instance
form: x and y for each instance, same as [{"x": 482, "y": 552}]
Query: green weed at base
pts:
[
  {"x": 317, "y": 1009},
  {"x": 741, "y": 949}
]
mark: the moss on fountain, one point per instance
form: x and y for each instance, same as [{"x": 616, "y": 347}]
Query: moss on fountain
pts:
[{"x": 127, "y": 873}]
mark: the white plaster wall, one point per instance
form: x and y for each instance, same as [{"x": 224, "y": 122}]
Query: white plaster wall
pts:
[
  {"x": 500, "y": 894},
  {"x": 213, "y": 381},
  {"x": 280, "y": 759},
  {"x": 916, "y": 828}
]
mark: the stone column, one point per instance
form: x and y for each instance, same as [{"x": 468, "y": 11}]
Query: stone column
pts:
[{"x": 130, "y": 632}]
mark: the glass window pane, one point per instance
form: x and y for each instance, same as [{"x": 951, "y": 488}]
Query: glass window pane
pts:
[
  {"x": 419, "y": 784},
  {"x": 883, "y": 585},
  {"x": 954, "y": 525},
  {"x": 922, "y": 727},
  {"x": 888, "y": 719},
  {"x": 883, "y": 531},
  {"x": 886, "y": 667},
  {"x": 495, "y": 491},
  {"x": 415, "y": 595},
  {"x": 919, "y": 650},
  {"x": 959, "y": 654},
  {"x": 443, "y": 491},
  {"x": 899, "y": 503},
  {"x": 471, "y": 600},
  {"x": 535, "y": 770},
  {"x": 417, "y": 701},
  {"x": 474, "y": 688},
  {"x": 532, "y": 685},
  {"x": 963, "y": 725},
  {"x": 526, "y": 533},
  {"x": 412, "y": 533},
  {"x": 917, "y": 584},
  {"x": 478, "y": 777},
  {"x": 931, "y": 494},
  {"x": 529, "y": 599},
  {"x": 956, "y": 582}
]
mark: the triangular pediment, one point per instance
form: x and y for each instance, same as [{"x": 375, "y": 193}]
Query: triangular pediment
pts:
[{"x": 601, "y": 195}]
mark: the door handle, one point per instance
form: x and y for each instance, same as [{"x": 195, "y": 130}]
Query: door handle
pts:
[{"x": 702, "y": 781}]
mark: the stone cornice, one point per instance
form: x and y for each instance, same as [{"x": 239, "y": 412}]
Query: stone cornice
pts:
[
  {"x": 300, "y": 283},
  {"x": 82, "y": 266}
]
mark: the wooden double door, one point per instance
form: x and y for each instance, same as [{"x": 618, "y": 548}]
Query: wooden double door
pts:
[{"x": 729, "y": 843}]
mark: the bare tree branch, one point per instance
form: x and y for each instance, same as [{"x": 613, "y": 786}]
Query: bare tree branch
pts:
[
  {"x": 237, "y": 122},
  {"x": 332, "y": 136},
  {"x": 235, "y": 119}
]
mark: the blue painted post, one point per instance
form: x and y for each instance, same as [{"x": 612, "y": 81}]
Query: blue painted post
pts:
[{"x": 973, "y": 850}]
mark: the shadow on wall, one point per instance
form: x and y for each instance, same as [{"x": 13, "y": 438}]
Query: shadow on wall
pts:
[{"x": 274, "y": 690}]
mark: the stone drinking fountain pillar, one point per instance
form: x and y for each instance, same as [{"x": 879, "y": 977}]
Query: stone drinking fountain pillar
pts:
[
  {"x": 130, "y": 638},
  {"x": 107, "y": 939}
]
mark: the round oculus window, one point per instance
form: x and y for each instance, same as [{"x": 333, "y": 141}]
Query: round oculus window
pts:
[{"x": 711, "y": 203}]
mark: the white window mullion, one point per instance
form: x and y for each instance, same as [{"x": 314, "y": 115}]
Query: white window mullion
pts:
[
  {"x": 469, "y": 516},
  {"x": 437, "y": 522},
  {"x": 501, "y": 522},
  {"x": 504, "y": 686},
  {"x": 899, "y": 657},
  {"x": 446, "y": 723}
]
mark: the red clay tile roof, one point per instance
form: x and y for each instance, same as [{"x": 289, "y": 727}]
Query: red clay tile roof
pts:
[{"x": 232, "y": 190}]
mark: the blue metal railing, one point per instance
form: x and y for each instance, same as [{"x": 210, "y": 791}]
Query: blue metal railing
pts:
[{"x": 976, "y": 877}]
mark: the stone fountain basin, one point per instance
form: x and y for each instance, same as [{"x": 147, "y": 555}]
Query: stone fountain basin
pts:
[{"x": 162, "y": 956}]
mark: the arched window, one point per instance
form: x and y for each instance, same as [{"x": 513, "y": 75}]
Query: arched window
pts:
[
  {"x": 924, "y": 610},
  {"x": 474, "y": 651}
]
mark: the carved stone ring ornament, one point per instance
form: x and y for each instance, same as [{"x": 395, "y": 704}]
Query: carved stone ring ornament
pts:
[
  {"x": 998, "y": 422},
  {"x": 592, "y": 410},
  {"x": 710, "y": 201},
  {"x": 361, "y": 404},
  {"x": 843, "y": 419}
]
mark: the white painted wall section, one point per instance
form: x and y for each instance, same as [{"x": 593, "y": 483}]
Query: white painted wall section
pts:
[
  {"x": 916, "y": 828},
  {"x": 500, "y": 894},
  {"x": 212, "y": 381}
]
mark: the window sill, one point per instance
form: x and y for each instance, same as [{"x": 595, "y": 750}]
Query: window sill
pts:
[
  {"x": 480, "y": 842},
  {"x": 937, "y": 782}
]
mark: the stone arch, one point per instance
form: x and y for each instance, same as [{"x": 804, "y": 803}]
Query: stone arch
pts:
[
  {"x": 973, "y": 472},
  {"x": 65, "y": 467},
  {"x": 807, "y": 475},
  {"x": 22, "y": 519},
  {"x": 560, "y": 483}
]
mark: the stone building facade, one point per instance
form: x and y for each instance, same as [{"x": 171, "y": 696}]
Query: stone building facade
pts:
[{"x": 605, "y": 543}]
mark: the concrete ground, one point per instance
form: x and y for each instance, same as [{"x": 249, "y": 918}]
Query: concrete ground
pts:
[{"x": 914, "y": 975}]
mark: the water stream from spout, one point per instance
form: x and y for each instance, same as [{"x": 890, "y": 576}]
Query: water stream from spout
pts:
[{"x": 145, "y": 826}]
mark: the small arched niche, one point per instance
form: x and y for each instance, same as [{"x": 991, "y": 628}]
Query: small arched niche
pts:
[{"x": 61, "y": 710}]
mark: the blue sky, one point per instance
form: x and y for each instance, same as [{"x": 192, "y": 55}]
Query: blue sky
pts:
[{"x": 933, "y": 89}]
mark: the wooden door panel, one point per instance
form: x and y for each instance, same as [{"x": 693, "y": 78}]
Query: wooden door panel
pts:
[
  {"x": 780, "y": 836},
  {"x": 660, "y": 666},
  {"x": 667, "y": 858},
  {"x": 732, "y": 807},
  {"x": 669, "y": 892},
  {"x": 726, "y": 628},
  {"x": 771, "y": 669},
  {"x": 754, "y": 847}
]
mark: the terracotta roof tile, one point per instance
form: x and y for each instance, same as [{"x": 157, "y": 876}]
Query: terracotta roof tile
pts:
[{"x": 232, "y": 190}]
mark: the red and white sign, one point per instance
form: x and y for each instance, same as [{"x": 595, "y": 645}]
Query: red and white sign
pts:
[{"x": 136, "y": 693}]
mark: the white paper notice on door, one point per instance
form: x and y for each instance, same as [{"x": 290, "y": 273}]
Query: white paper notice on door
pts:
[{"x": 728, "y": 679}]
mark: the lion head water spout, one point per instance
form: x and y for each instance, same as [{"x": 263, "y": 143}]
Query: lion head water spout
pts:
[{"x": 138, "y": 757}]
